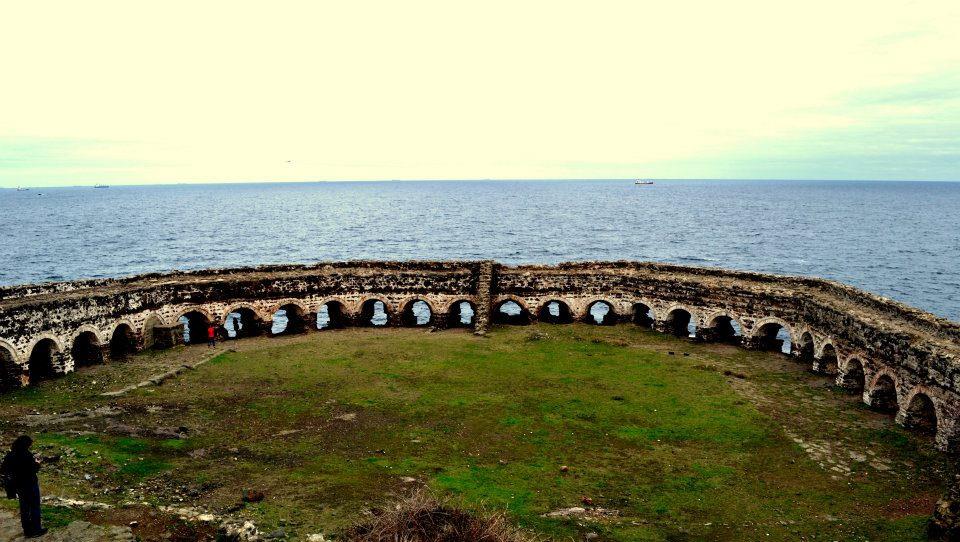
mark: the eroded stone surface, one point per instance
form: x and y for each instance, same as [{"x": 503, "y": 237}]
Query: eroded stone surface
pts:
[{"x": 900, "y": 358}]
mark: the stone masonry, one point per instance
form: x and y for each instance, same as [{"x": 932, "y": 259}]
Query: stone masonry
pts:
[{"x": 898, "y": 357}]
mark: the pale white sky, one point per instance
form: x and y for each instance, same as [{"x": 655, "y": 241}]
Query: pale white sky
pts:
[{"x": 134, "y": 92}]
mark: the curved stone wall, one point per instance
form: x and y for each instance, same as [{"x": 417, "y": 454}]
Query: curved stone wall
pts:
[{"x": 898, "y": 357}]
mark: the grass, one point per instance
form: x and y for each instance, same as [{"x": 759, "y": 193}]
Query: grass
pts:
[{"x": 331, "y": 424}]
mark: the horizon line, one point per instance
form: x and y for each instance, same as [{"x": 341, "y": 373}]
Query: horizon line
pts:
[{"x": 476, "y": 179}]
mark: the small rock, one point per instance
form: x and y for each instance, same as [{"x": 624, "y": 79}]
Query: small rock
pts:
[
  {"x": 564, "y": 468},
  {"x": 252, "y": 495}
]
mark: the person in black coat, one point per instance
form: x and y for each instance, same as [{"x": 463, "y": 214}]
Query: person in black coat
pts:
[{"x": 19, "y": 469}]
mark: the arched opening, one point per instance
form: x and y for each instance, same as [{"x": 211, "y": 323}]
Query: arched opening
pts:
[
  {"x": 555, "y": 312},
  {"x": 416, "y": 313},
  {"x": 601, "y": 313},
  {"x": 724, "y": 329},
  {"x": 10, "y": 372},
  {"x": 461, "y": 314},
  {"x": 41, "y": 364},
  {"x": 195, "y": 325},
  {"x": 883, "y": 396},
  {"x": 511, "y": 312},
  {"x": 289, "y": 319},
  {"x": 374, "y": 313},
  {"x": 123, "y": 342},
  {"x": 805, "y": 347},
  {"x": 331, "y": 316},
  {"x": 643, "y": 315},
  {"x": 827, "y": 364},
  {"x": 853, "y": 377},
  {"x": 86, "y": 350},
  {"x": 773, "y": 337},
  {"x": 679, "y": 323},
  {"x": 149, "y": 338},
  {"x": 242, "y": 322},
  {"x": 921, "y": 415}
]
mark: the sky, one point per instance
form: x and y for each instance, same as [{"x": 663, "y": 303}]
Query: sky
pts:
[{"x": 174, "y": 92}]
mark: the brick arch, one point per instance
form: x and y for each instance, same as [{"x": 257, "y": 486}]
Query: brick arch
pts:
[
  {"x": 650, "y": 305},
  {"x": 243, "y": 305},
  {"x": 407, "y": 303},
  {"x": 940, "y": 430},
  {"x": 195, "y": 308},
  {"x": 711, "y": 319},
  {"x": 585, "y": 313},
  {"x": 870, "y": 390},
  {"x": 117, "y": 323},
  {"x": 757, "y": 325},
  {"x": 84, "y": 329},
  {"x": 272, "y": 309},
  {"x": 544, "y": 308},
  {"x": 57, "y": 362},
  {"x": 694, "y": 314},
  {"x": 56, "y": 341},
  {"x": 387, "y": 306},
  {"x": 15, "y": 353},
  {"x": 402, "y": 305},
  {"x": 501, "y": 299},
  {"x": 850, "y": 377},
  {"x": 456, "y": 302},
  {"x": 347, "y": 306},
  {"x": 828, "y": 341}
]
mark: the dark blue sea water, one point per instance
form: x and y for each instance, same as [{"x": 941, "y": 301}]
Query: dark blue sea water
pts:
[{"x": 898, "y": 239}]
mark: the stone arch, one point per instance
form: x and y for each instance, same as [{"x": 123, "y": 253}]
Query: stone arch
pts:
[
  {"x": 123, "y": 340},
  {"x": 678, "y": 321},
  {"x": 293, "y": 319},
  {"x": 642, "y": 314},
  {"x": 11, "y": 373},
  {"x": 151, "y": 321},
  {"x": 722, "y": 327},
  {"x": 516, "y": 313},
  {"x": 851, "y": 374},
  {"x": 45, "y": 359},
  {"x": 772, "y": 335},
  {"x": 86, "y": 347},
  {"x": 555, "y": 311},
  {"x": 370, "y": 315},
  {"x": 882, "y": 393},
  {"x": 332, "y": 314},
  {"x": 411, "y": 313},
  {"x": 594, "y": 313},
  {"x": 195, "y": 323},
  {"x": 920, "y": 412},
  {"x": 242, "y": 320},
  {"x": 828, "y": 361},
  {"x": 458, "y": 317}
]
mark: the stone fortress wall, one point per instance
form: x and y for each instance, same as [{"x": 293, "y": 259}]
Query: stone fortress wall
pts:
[{"x": 901, "y": 359}]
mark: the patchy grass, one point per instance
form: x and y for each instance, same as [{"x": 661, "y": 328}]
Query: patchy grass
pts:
[{"x": 332, "y": 424}]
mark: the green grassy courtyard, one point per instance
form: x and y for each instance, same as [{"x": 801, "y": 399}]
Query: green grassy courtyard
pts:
[{"x": 663, "y": 439}]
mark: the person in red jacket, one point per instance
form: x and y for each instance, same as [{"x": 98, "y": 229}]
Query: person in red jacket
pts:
[{"x": 211, "y": 336}]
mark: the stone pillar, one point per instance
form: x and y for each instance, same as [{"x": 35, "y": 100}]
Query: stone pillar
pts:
[
  {"x": 167, "y": 336},
  {"x": 309, "y": 322},
  {"x": 485, "y": 286}
]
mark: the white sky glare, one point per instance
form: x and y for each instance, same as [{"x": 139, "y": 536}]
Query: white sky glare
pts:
[{"x": 134, "y": 92}]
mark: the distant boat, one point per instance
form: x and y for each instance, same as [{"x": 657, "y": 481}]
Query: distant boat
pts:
[
  {"x": 641, "y": 181},
  {"x": 22, "y": 189},
  {"x": 101, "y": 186}
]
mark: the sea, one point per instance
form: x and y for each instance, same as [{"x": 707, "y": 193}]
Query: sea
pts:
[{"x": 896, "y": 239}]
